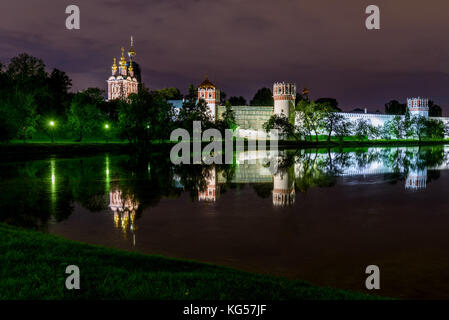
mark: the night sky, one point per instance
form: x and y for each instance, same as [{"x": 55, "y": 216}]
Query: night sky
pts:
[{"x": 245, "y": 44}]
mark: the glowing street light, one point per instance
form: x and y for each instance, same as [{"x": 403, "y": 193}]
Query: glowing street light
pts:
[
  {"x": 52, "y": 125},
  {"x": 106, "y": 127}
]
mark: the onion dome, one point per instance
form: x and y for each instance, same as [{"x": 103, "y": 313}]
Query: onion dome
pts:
[
  {"x": 122, "y": 59},
  {"x": 132, "y": 52},
  {"x": 207, "y": 84},
  {"x": 114, "y": 66}
]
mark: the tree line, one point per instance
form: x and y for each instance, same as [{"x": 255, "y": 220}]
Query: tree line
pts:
[{"x": 35, "y": 102}]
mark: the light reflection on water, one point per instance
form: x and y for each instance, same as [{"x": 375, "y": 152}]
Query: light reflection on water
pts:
[{"x": 316, "y": 215}]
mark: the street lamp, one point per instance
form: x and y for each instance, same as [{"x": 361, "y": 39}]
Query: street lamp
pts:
[
  {"x": 52, "y": 125},
  {"x": 106, "y": 127}
]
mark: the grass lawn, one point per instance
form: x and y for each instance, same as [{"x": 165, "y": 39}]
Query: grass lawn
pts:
[{"x": 32, "y": 266}]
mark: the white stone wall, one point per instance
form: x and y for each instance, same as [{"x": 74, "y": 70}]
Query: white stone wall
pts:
[{"x": 374, "y": 119}]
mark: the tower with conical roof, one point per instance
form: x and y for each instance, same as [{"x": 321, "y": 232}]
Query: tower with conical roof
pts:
[
  {"x": 209, "y": 93},
  {"x": 125, "y": 77}
]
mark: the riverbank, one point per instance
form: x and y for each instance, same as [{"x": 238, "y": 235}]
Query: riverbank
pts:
[
  {"x": 33, "y": 150},
  {"x": 32, "y": 266}
]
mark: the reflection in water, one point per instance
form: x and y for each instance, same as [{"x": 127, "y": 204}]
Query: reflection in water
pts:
[
  {"x": 53, "y": 186},
  {"x": 212, "y": 190},
  {"x": 416, "y": 179},
  {"x": 124, "y": 209},
  {"x": 301, "y": 208},
  {"x": 283, "y": 185},
  {"x": 130, "y": 185}
]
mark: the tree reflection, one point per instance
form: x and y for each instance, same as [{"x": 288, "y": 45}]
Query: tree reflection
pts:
[{"x": 36, "y": 193}]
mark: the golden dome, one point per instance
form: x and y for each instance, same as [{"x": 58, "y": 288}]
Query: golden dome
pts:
[
  {"x": 131, "y": 51},
  {"x": 114, "y": 66},
  {"x": 122, "y": 59},
  {"x": 305, "y": 92},
  {"x": 207, "y": 84}
]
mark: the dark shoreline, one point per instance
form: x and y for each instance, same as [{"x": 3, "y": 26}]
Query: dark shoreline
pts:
[{"x": 24, "y": 151}]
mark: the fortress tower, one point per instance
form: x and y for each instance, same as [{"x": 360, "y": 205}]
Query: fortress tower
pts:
[
  {"x": 284, "y": 95},
  {"x": 124, "y": 79},
  {"x": 208, "y": 92},
  {"x": 418, "y": 107}
]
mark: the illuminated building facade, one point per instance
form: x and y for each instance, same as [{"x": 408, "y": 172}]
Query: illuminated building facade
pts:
[
  {"x": 125, "y": 77},
  {"x": 209, "y": 93}
]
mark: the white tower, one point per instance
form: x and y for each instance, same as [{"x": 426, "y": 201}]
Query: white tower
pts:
[
  {"x": 284, "y": 95},
  {"x": 283, "y": 188},
  {"x": 418, "y": 107}
]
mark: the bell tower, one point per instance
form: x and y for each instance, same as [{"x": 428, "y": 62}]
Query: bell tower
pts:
[{"x": 208, "y": 92}]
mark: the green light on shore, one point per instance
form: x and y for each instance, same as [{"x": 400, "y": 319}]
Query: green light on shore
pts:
[
  {"x": 106, "y": 126},
  {"x": 52, "y": 123}
]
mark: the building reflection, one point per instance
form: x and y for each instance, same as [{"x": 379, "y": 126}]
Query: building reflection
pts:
[
  {"x": 212, "y": 189},
  {"x": 283, "y": 188},
  {"x": 124, "y": 211},
  {"x": 416, "y": 180}
]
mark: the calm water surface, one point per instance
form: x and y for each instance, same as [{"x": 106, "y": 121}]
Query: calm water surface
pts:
[{"x": 317, "y": 215}]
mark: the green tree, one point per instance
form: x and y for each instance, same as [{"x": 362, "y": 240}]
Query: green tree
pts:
[
  {"x": 361, "y": 129},
  {"x": 330, "y": 121},
  {"x": 343, "y": 129},
  {"x": 374, "y": 132},
  {"x": 229, "y": 117},
  {"x": 263, "y": 97},
  {"x": 170, "y": 93},
  {"x": 434, "y": 129},
  {"x": 434, "y": 110},
  {"x": 145, "y": 117},
  {"x": 407, "y": 125},
  {"x": 237, "y": 101},
  {"x": 84, "y": 116},
  {"x": 284, "y": 126},
  {"x": 330, "y": 102},
  {"x": 194, "y": 110},
  {"x": 395, "y": 127},
  {"x": 396, "y": 108},
  {"x": 311, "y": 115},
  {"x": 419, "y": 125},
  {"x": 26, "y": 115}
]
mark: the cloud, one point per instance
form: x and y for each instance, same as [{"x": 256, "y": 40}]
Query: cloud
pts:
[{"x": 244, "y": 44}]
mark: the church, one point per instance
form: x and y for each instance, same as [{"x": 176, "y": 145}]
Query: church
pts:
[{"x": 126, "y": 77}]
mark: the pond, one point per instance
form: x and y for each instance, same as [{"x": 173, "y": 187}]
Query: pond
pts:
[{"x": 317, "y": 215}]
